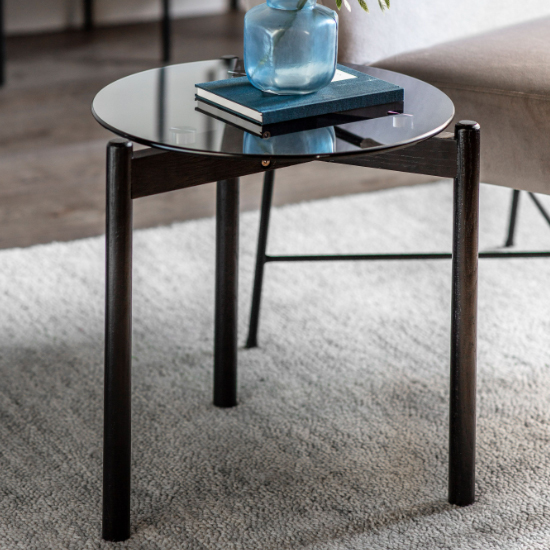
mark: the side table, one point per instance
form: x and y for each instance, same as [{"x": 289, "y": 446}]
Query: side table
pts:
[{"x": 187, "y": 148}]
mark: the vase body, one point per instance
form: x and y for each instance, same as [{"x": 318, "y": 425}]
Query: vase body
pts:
[{"x": 290, "y": 46}]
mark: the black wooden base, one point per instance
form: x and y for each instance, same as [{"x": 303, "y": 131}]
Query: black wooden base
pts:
[{"x": 131, "y": 175}]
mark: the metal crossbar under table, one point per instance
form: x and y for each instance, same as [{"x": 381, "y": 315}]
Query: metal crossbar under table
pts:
[{"x": 263, "y": 258}]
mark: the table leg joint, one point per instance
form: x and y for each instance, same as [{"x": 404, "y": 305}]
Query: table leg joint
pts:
[
  {"x": 436, "y": 156},
  {"x": 155, "y": 171}
]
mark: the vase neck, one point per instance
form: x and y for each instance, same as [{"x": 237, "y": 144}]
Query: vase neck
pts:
[{"x": 291, "y": 4}]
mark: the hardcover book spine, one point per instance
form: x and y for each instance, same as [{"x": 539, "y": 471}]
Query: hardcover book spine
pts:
[{"x": 282, "y": 115}]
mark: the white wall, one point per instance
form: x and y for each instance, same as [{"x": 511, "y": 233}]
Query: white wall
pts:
[
  {"x": 415, "y": 24},
  {"x": 23, "y": 16}
]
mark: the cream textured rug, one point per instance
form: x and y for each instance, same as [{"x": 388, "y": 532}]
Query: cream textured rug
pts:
[{"x": 340, "y": 438}]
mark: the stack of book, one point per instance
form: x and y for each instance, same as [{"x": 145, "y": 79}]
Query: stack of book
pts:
[{"x": 351, "y": 96}]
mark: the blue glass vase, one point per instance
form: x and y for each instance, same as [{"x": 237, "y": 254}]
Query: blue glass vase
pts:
[{"x": 290, "y": 46}]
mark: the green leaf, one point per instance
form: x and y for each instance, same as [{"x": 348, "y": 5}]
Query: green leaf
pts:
[
  {"x": 363, "y": 4},
  {"x": 338, "y": 4}
]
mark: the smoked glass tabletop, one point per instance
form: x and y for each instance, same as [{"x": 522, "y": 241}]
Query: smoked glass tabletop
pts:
[{"x": 158, "y": 108}]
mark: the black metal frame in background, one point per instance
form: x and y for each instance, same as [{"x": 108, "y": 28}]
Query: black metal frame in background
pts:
[
  {"x": 166, "y": 30},
  {"x": 88, "y": 25},
  {"x": 514, "y": 215},
  {"x": 88, "y": 15},
  {"x": 263, "y": 258},
  {"x": 2, "y": 45}
]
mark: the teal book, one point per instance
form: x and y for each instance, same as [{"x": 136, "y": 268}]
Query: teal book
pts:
[
  {"x": 299, "y": 124},
  {"x": 348, "y": 90}
]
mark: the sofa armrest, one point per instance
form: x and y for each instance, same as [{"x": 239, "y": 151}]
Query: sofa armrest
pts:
[{"x": 367, "y": 38}]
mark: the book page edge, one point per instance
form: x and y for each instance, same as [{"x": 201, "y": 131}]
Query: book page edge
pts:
[{"x": 231, "y": 105}]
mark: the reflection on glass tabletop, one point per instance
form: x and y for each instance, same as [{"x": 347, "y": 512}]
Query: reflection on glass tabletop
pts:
[{"x": 158, "y": 108}]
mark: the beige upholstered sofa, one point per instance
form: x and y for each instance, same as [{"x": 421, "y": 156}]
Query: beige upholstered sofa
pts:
[
  {"x": 492, "y": 57},
  {"x": 495, "y": 70}
]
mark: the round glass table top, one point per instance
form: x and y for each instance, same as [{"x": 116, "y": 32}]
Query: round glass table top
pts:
[{"x": 158, "y": 108}]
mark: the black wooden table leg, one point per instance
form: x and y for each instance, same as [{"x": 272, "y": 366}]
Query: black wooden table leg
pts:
[
  {"x": 118, "y": 344},
  {"x": 462, "y": 431},
  {"x": 267, "y": 195},
  {"x": 166, "y": 31},
  {"x": 225, "y": 325}
]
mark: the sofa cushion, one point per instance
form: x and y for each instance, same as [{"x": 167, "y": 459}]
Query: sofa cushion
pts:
[{"x": 501, "y": 79}]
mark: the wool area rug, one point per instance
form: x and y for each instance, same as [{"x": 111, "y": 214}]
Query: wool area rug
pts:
[{"x": 340, "y": 437}]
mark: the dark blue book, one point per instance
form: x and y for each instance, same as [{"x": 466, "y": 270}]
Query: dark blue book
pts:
[
  {"x": 299, "y": 124},
  {"x": 348, "y": 90}
]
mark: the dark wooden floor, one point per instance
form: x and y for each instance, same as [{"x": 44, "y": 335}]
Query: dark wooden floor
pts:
[{"x": 52, "y": 150}]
